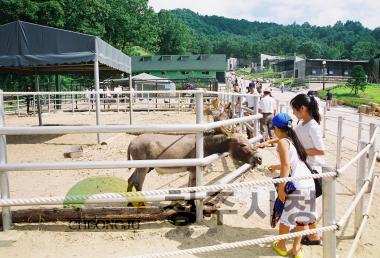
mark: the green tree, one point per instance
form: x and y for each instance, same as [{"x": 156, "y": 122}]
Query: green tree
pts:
[
  {"x": 364, "y": 50},
  {"x": 87, "y": 16},
  {"x": 175, "y": 37},
  {"x": 358, "y": 79},
  {"x": 132, "y": 23},
  {"x": 310, "y": 49}
]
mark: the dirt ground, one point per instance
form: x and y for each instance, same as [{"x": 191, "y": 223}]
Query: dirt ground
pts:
[{"x": 58, "y": 240}]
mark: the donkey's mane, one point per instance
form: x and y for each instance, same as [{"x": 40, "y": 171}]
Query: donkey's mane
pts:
[{"x": 216, "y": 143}]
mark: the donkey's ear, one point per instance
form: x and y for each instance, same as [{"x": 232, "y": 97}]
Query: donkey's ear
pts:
[{"x": 216, "y": 103}]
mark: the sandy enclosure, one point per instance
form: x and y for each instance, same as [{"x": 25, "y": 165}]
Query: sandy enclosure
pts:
[{"x": 58, "y": 240}]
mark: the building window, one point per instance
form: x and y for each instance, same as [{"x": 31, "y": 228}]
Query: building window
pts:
[
  {"x": 314, "y": 72},
  {"x": 184, "y": 58},
  {"x": 203, "y": 57},
  {"x": 346, "y": 73},
  {"x": 185, "y": 72},
  {"x": 331, "y": 72},
  {"x": 146, "y": 58},
  {"x": 205, "y": 72},
  {"x": 166, "y": 58}
]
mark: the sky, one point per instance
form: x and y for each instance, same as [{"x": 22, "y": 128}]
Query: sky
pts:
[{"x": 315, "y": 12}]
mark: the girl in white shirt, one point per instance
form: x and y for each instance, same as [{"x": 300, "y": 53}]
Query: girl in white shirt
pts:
[
  {"x": 299, "y": 207},
  {"x": 305, "y": 108}
]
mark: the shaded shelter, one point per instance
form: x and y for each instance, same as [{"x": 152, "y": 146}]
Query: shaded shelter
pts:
[{"x": 32, "y": 49}]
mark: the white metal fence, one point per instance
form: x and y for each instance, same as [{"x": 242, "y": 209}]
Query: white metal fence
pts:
[
  {"x": 199, "y": 162},
  {"x": 366, "y": 177}
]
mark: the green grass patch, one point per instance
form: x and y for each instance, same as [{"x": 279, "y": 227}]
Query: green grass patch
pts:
[
  {"x": 245, "y": 72},
  {"x": 343, "y": 93},
  {"x": 286, "y": 81}
]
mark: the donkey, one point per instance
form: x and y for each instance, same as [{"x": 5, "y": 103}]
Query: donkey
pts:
[{"x": 162, "y": 146}]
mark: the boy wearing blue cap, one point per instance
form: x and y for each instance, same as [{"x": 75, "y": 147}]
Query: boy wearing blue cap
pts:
[{"x": 299, "y": 205}]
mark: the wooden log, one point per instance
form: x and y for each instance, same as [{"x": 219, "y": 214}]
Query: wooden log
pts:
[{"x": 151, "y": 213}]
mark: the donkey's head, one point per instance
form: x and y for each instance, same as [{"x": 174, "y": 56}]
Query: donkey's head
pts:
[{"x": 242, "y": 150}]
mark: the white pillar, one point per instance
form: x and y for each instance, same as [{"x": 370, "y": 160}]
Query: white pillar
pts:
[
  {"x": 199, "y": 154},
  {"x": 329, "y": 206},
  {"x": 360, "y": 176},
  {"x": 130, "y": 99},
  {"x": 96, "y": 80},
  {"x": 18, "y": 105},
  {"x": 372, "y": 151},
  {"x": 256, "y": 111},
  {"x": 360, "y": 126},
  {"x": 339, "y": 142},
  {"x": 4, "y": 182}
]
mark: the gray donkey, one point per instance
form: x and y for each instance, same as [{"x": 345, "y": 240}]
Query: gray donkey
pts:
[{"x": 162, "y": 146}]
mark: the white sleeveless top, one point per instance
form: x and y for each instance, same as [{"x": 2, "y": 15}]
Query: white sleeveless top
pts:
[{"x": 299, "y": 168}]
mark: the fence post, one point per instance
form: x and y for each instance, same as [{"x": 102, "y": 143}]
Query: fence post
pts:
[
  {"x": 18, "y": 105},
  {"x": 372, "y": 151},
  {"x": 360, "y": 126},
  {"x": 72, "y": 103},
  {"x": 148, "y": 104},
  {"x": 34, "y": 104},
  {"x": 118, "y": 102},
  {"x": 199, "y": 154},
  {"x": 4, "y": 182},
  {"x": 89, "y": 103},
  {"x": 339, "y": 142},
  {"x": 328, "y": 204},
  {"x": 48, "y": 102},
  {"x": 179, "y": 102},
  {"x": 131, "y": 96},
  {"x": 256, "y": 111},
  {"x": 324, "y": 121},
  {"x": 360, "y": 176},
  {"x": 97, "y": 99}
]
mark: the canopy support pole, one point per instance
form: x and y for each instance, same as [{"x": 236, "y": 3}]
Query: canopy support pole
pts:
[
  {"x": 96, "y": 80},
  {"x": 37, "y": 82},
  {"x": 130, "y": 98}
]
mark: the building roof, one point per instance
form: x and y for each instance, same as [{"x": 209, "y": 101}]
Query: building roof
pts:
[
  {"x": 337, "y": 60},
  {"x": 29, "y": 48},
  {"x": 179, "y": 63}
]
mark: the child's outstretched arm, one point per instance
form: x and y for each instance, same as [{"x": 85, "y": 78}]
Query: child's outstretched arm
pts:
[{"x": 267, "y": 143}]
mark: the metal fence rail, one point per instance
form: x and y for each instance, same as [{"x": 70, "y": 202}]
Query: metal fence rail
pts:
[
  {"x": 366, "y": 179},
  {"x": 199, "y": 162}
]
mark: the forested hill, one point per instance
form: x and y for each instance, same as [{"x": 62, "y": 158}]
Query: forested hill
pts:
[
  {"x": 134, "y": 27},
  {"x": 243, "y": 38}
]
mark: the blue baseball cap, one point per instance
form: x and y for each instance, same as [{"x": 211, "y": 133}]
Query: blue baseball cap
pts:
[{"x": 281, "y": 120}]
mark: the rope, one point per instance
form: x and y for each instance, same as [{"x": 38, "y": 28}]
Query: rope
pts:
[
  {"x": 138, "y": 196},
  {"x": 226, "y": 246},
  {"x": 362, "y": 225},
  {"x": 359, "y": 195}
]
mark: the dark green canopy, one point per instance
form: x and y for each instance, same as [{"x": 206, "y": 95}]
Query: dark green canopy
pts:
[{"x": 27, "y": 48}]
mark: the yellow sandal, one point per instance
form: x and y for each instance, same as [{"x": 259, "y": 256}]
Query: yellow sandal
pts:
[
  {"x": 278, "y": 250},
  {"x": 300, "y": 253}
]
